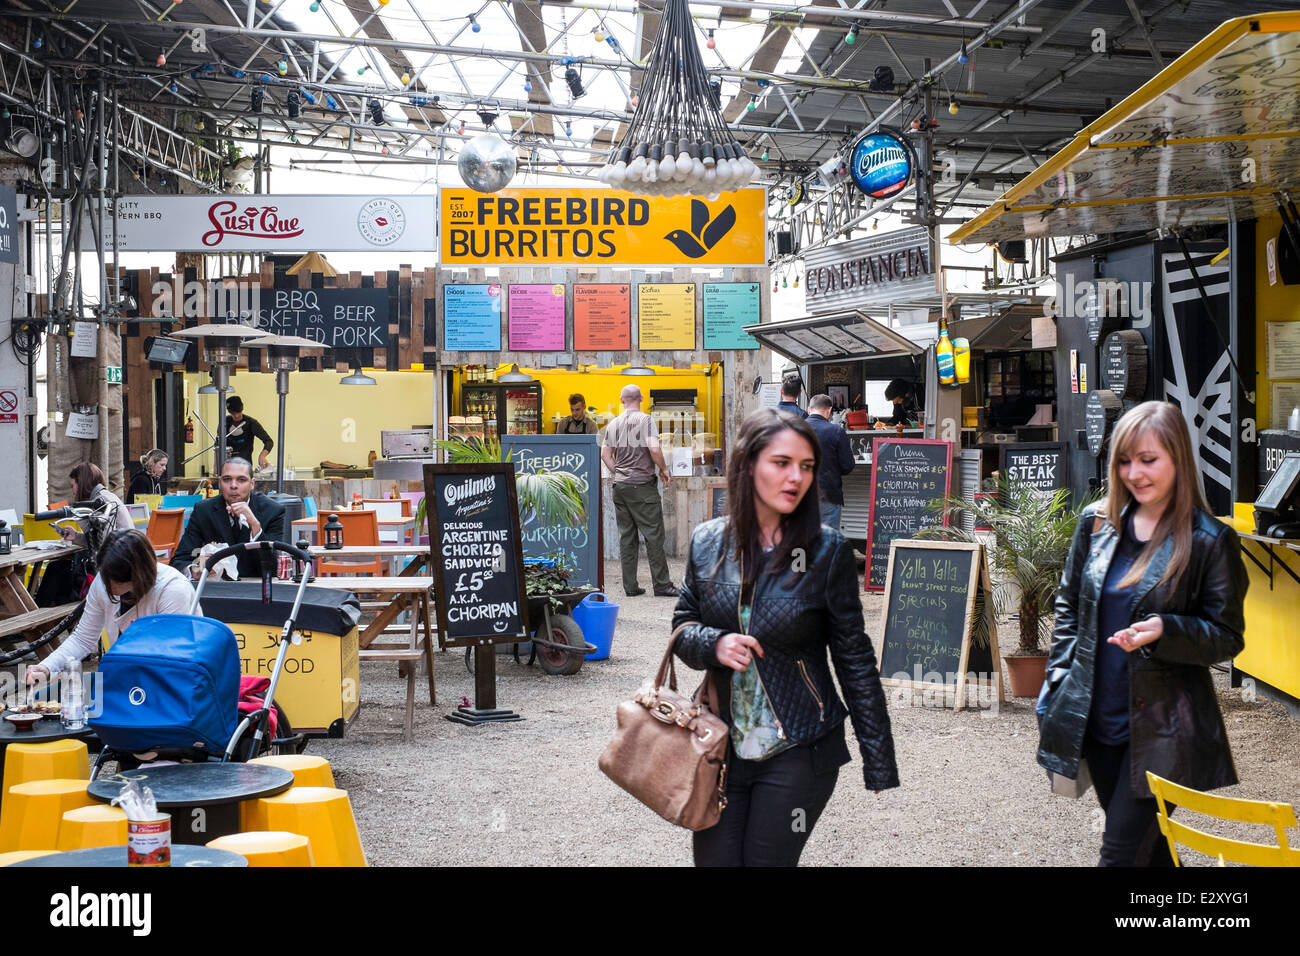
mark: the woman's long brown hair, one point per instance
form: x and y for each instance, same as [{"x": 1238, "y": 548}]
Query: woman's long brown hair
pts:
[{"x": 1163, "y": 421}]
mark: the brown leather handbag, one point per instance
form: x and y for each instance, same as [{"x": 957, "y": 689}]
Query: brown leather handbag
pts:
[{"x": 670, "y": 751}]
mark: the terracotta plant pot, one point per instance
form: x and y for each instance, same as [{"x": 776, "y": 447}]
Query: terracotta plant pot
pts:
[{"x": 1027, "y": 674}]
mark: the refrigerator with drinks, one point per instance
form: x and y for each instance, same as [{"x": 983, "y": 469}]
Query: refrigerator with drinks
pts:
[{"x": 507, "y": 409}]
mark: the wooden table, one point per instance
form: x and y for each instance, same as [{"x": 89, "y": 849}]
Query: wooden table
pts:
[
  {"x": 396, "y": 595},
  {"x": 307, "y": 526},
  {"x": 419, "y": 552},
  {"x": 22, "y": 618}
]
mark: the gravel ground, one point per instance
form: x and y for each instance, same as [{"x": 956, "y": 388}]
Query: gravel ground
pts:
[{"x": 530, "y": 792}]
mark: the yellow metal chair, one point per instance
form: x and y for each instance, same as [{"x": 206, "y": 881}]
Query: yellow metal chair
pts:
[
  {"x": 57, "y": 759},
  {"x": 322, "y": 814},
  {"x": 1277, "y": 815},
  {"x": 33, "y": 812},
  {"x": 87, "y": 827},
  {"x": 268, "y": 848},
  {"x": 17, "y": 856},
  {"x": 307, "y": 770}
]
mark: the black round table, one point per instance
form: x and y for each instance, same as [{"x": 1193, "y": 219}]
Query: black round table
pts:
[
  {"x": 202, "y": 798},
  {"x": 102, "y": 856},
  {"x": 43, "y": 731}
]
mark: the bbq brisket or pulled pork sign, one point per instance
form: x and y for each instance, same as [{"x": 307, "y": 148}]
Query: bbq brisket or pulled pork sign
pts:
[
  {"x": 336, "y": 318},
  {"x": 263, "y": 223},
  {"x": 475, "y": 554},
  {"x": 876, "y": 269}
]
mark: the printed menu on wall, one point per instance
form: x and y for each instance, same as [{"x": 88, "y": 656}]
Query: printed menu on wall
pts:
[
  {"x": 728, "y": 308},
  {"x": 666, "y": 316},
  {"x": 536, "y": 318},
  {"x": 602, "y": 316},
  {"x": 471, "y": 318}
]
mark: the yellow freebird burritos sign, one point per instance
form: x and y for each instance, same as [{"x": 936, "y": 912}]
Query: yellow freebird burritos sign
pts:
[{"x": 521, "y": 227}]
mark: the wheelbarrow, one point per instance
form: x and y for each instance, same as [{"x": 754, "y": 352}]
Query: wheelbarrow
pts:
[{"x": 558, "y": 645}]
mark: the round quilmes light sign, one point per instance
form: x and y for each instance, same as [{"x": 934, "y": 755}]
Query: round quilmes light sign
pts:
[{"x": 882, "y": 165}]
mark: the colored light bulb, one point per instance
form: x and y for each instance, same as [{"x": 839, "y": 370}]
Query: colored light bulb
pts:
[
  {"x": 711, "y": 43},
  {"x": 162, "y": 59}
]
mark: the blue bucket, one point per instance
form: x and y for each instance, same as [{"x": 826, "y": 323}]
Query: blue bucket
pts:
[{"x": 597, "y": 617}]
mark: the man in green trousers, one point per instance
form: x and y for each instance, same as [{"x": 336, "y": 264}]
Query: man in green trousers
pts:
[{"x": 631, "y": 453}]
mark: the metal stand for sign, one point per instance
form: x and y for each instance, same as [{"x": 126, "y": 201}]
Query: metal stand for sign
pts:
[{"x": 485, "y": 709}]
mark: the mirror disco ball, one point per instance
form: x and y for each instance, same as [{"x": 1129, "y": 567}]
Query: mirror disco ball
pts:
[{"x": 486, "y": 163}]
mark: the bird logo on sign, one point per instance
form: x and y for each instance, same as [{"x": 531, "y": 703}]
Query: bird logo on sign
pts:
[{"x": 704, "y": 234}]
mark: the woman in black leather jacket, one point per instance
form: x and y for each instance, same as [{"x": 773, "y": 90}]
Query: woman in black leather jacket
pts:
[
  {"x": 768, "y": 591},
  {"x": 1151, "y": 595}
]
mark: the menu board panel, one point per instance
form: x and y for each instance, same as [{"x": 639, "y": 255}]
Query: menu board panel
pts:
[
  {"x": 907, "y": 474},
  {"x": 666, "y": 316},
  {"x": 602, "y": 316},
  {"x": 471, "y": 318},
  {"x": 728, "y": 308},
  {"x": 536, "y": 318}
]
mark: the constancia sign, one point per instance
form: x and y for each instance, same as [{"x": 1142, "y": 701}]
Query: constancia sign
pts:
[
  {"x": 870, "y": 271},
  {"x": 539, "y": 226}
]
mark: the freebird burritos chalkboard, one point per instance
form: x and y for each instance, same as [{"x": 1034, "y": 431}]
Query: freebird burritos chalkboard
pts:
[
  {"x": 935, "y": 593},
  {"x": 1040, "y": 465},
  {"x": 906, "y": 475},
  {"x": 580, "y": 456},
  {"x": 475, "y": 554}
]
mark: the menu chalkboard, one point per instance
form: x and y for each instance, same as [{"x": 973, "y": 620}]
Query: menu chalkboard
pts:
[
  {"x": 935, "y": 592},
  {"x": 336, "y": 318},
  {"x": 475, "y": 554},
  {"x": 1040, "y": 465},
  {"x": 718, "y": 498},
  {"x": 579, "y": 455},
  {"x": 906, "y": 475}
]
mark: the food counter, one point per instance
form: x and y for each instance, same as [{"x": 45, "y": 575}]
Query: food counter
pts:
[{"x": 1272, "y": 654}]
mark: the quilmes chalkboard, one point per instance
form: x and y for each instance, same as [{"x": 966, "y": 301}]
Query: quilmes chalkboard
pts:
[
  {"x": 906, "y": 475},
  {"x": 935, "y": 592},
  {"x": 1040, "y": 465},
  {"x": 579, "y": 455},
  {"x": 475, "y": 554},
  {"x": 336, "y": 318}
]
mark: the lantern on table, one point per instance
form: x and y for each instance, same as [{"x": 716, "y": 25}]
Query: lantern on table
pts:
[
  {"x": 333, "y": 534},
  {"x": 6, "y": 538}
]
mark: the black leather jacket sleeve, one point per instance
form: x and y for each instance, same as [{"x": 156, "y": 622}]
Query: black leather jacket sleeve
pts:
[
  {"x": 1066, "y": 606},
  {"x": 855, "y": 667},
  {"x": 697, "y": 644},
  {"x": 1215, "y": 633}
]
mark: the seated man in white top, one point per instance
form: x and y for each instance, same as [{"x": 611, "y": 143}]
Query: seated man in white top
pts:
[{"x": 131, "y": 584}]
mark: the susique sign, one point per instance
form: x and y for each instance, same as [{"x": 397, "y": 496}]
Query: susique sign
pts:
[
  {"x": 868, "y": 271},
  {"x": 273, "y": 223},
  {"x": 521, "y": 227}
]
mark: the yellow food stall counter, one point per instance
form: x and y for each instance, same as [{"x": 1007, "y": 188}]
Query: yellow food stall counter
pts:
[{"x": 1272, "y": 653}]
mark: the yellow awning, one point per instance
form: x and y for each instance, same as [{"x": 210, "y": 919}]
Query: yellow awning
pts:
[
  {"x": 1210, "y": 138},
  {"x": 312, "y": 262}
]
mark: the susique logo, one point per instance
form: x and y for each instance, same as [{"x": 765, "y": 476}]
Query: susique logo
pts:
[
  {"x": 254, "y": 222},
  {"x": 704, "y": 235},
  {"x": 381, "y": 222}
]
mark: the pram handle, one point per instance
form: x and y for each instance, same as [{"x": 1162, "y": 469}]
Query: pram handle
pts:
[
  {"x": 68, "y": 511},
  {"x": 263, "y": 545}
]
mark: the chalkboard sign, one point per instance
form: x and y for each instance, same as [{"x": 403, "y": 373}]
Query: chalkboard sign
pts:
[
  {"x": 906, "y": 475},
  {"x": 1040, "y": 465},
  {"x": 336, "y": 318},
  {"x": 1099, "y": 416},
  {"x": 718, "y": 499},
  {"x": 860, "y": 444},
  {"x": 1274, "y": 445},
  {"x": 935, "y": 592},
  {"x": 1124, "y": 363},
  {"x": 579, "y": 455},
  {"x": 1103, "y": 309},
  {"x": 475, "y": 554}
]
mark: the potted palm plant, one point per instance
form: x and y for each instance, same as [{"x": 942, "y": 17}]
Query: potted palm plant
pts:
[{"x": 1031, "y": 533}]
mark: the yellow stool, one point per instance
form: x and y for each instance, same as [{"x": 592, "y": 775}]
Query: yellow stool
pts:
[
  {"x": 267, "y": 847},
  {"x": 17, "y": 856},
  {"x": 33, "y": 811},
  {"x": 92, "y": 826},
  {"x": 322, "y": 814},
  {"x": 308, "y": 771},
  {"x": 56, "y": 760}
]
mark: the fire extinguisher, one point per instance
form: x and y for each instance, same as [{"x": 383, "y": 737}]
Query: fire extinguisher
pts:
[{"x": 189, "y": 431}]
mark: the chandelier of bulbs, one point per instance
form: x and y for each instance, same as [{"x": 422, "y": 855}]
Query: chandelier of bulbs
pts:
[{"x": 677, "y": 143}]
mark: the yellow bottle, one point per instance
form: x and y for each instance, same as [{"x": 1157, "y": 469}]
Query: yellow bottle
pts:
[{"x": 944, "y": 355}]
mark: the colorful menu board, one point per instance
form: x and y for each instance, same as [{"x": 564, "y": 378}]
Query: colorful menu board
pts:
[
  {"x": 602, "y": 317},
  {"x": 471, "y": 318},
  {"x": 728, "y": 308},
  {"x": 536, "y": 318},
  {"x": 666, "y": 315}
]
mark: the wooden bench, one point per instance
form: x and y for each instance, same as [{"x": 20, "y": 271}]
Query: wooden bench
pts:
[{"x": 33, "y": 620}]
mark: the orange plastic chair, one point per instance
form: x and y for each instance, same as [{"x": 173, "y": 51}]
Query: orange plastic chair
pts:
[
  {"x": 360, "y": 529},
  {"x": 56, "y": 505},
  {"x": 164, "y": 531}
]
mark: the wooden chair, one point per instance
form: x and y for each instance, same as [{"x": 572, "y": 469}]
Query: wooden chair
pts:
[
  {"x": 1277, "y": 815},
  {"x": 360, "y": 528},
  {"x": 164, "y": 530}
]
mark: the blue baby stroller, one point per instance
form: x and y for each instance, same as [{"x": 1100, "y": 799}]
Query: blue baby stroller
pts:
[{"x": 170, "y": 685}]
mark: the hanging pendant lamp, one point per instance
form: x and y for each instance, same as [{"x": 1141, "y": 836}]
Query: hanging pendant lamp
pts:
[{"x": 677, "y": 144}]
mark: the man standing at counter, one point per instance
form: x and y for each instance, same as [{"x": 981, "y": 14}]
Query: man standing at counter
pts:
[
  {"x": 837, "y": 459},
  {"x": 790, "y": 388},
  {"x": 241, "y": 431},
  {"x": 631, "y": 453},
  {"x": 578, "y": 422}
]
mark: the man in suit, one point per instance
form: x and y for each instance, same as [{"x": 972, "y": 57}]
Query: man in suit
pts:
[
  {"x": 239, "y": 514},
  {"x": 837, "y": 459}
]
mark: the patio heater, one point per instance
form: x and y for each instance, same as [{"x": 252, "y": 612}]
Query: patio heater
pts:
[
  {"x": 221, "y": 344},
  {"x": 282, "y": 355}
]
